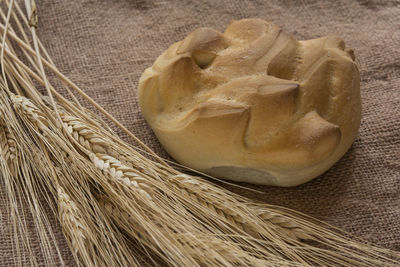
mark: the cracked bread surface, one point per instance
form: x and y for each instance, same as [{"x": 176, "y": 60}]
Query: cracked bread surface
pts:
[{"x": 253, "y": 104}]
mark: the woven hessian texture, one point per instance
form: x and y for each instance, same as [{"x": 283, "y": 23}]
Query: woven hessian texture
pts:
[{"x": 104, "y": 46}]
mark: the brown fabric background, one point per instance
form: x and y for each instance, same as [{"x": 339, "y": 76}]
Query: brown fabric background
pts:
[{"x": 105, "y": 45}]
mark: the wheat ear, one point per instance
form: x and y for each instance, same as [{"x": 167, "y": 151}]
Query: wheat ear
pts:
[
  {"x": 207, "y": 196},
  {"x": 73, "y": 226},
  {"x": 81, "y": 239},
  {"x": 95, "y": 146},
  {"x": 84, "y": 135},
  {"x": 26, "y": 108},
  {"x": 8, "y": 165},
  {"x": 8, "y": 148},
  {"x": 121, "y": 173},
  {"x": 26, "y": 178},
  {"x": 287, "y": 226}
]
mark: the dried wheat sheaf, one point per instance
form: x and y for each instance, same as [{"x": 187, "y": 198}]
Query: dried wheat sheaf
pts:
[{"x": 122, "y": 205}]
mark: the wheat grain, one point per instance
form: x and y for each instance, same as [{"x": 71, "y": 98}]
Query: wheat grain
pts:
[{"x": 87, "y": 247}]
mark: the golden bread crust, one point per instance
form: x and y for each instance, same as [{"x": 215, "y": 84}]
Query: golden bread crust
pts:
[{"x": 253, "y": 104}]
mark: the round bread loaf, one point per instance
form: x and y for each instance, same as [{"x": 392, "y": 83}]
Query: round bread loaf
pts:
[{"x": 253, "y": 104}]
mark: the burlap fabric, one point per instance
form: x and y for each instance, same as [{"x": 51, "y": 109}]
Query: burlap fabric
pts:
[{"x": 105, "y": 45}]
